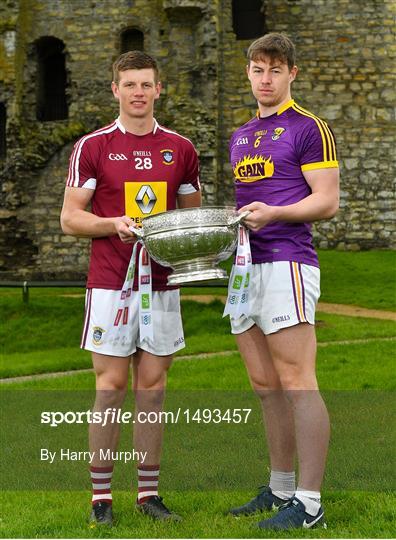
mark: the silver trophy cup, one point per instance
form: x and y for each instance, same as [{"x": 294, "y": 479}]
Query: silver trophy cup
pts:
[{"x": 192, "y": 241}]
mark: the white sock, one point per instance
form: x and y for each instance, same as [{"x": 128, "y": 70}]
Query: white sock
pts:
[
  {"x": 310, "y": 499},
  {"x": 283, "y": 484}
]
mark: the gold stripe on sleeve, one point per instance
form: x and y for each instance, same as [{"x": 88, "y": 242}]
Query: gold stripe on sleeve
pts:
[
  {"x": 329, "y": 153},
  {"x": 319, "y": 165}
]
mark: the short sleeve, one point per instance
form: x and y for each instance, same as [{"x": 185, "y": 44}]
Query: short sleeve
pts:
[
  {"x": 316, "y": 145},
  {"x": 190, "y": 182},
  {"x": 82, "y": 166}
]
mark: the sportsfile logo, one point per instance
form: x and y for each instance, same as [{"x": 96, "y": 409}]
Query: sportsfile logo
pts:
[{"x": 118, "y": 157}]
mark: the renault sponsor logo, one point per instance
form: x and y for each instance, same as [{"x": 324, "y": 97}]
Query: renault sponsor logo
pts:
[
  {"x": 146, "y": 199},
  {"x": 118, "y": 157},
  {"x": 143, "y": 198}
]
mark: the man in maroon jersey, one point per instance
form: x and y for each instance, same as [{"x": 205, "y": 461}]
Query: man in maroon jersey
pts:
[{"x": 126, "y": 171}]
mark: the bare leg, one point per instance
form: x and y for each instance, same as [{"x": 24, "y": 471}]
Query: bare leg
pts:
[
  {"x": 293, "y": 351},
  {"x": 111, "y": 386},
  {"x": 277, "y": 414},
  {"x": 149, "y": 382}
]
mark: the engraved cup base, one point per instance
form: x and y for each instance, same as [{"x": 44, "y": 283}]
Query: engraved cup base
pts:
[{"x": 186, "y": 275}]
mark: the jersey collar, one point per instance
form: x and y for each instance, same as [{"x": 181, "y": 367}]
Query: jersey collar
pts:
[
  {"x": 123, "y": 130},
  {"x": 284, "y": 107}
]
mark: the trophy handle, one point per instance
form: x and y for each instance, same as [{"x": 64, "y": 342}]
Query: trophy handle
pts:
[
  {"x": 138, "y": 232},
  {"x": 240, "y": 217}
]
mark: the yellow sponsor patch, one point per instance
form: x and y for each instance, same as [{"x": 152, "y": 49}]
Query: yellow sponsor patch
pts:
[
  {"x": 252, "y": 169},
  {"x": 143, "y": 199}
]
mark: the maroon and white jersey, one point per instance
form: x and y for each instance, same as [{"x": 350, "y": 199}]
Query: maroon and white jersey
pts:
[{"x": 132, "y": 175}]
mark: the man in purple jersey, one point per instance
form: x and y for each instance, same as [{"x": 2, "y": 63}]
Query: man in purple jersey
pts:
[
  {"x": 286, "y": 174},
  {"x": 126, "y": 171}
]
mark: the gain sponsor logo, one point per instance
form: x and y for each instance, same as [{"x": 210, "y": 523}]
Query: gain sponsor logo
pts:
[
  {"x": 254, "y": 168},
  {"x": 118, "y": 157},
  {"x": 97, "y": 335}
]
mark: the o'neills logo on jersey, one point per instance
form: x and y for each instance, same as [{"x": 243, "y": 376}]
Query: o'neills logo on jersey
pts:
[
  {"x": 167, "y": 157},
  {"x": 252, "y": 169}
]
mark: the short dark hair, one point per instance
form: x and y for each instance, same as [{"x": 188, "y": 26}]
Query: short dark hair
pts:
[
  {"x": 275, "y": 46},
  {"x": 134, "y": 60}
]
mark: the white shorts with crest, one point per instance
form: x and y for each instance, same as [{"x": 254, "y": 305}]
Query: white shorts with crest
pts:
[
  {"x": 281, "y": 294},
  {"x": 101, "y": 314}
]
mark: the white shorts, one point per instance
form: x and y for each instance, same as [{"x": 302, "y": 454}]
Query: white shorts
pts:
[
  {"x": 281, "y": 294},
  {"x": 100, "y": 314}
]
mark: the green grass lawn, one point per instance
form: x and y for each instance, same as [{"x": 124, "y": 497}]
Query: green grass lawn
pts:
[
  {"x": 206, "y": 332},
  {"x": 206, "y": 469},
  {"x": 358, "y": 492},
  {"x": 63, "y": 513},
  {"x": 364, "y": 278}
]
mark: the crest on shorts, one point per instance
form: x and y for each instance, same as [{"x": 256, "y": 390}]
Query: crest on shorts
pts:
[
  {"x": 97, "y": 335},
  {"x": 277, "y": 133},
  {"x": 167, "y": 157}
]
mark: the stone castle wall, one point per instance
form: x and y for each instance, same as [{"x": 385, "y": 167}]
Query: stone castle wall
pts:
[{"x": 346, "y": 53}]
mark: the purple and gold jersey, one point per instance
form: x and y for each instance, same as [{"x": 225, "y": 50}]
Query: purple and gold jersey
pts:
[{"x": 268, "y": 157}]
